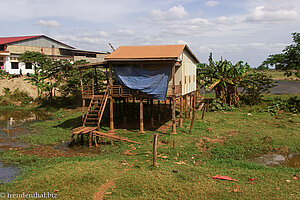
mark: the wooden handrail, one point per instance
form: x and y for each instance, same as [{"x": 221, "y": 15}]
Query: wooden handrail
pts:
[
  {"x": 90, "y": 107},
  {"x": 102, "y": 107}
]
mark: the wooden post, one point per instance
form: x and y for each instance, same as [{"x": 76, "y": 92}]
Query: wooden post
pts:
[
  {"x": 111, "y": 103},
  {"x": 141, "y": 116},
  {"x": 124, "y": 112},
  {"x": 173, "y": 102},
  {"x": 83, "y": 100},
  {"x": 155, "y": 148},
  {"x": 191, "y": 106},
  {"x": 194, "y": 114},
  {"x": 151, "y": 112},
  {"x": 158, "y": 109},
  {"x": 181, "y": 120},
  {"x": 96, "y": 81},
  {"x": 185, "y": 108},
  {"x": 133, "y": 104}
]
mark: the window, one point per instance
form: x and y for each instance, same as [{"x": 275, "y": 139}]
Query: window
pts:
[
  {"x": 28, "y": 66},
  {"x": 189, "y": 78},
  {"x": 14, "y": 65},
  {"x": 2, "y": 48},
  {"x": 1, "y": 65},
  {"x": 1, "y": 58},
  {"x": 91, "y": 55}
]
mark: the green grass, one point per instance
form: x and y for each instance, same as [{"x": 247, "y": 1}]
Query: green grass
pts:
[
  {"x": 243, "y": 134},
  {"x": 279, "y": 75}
]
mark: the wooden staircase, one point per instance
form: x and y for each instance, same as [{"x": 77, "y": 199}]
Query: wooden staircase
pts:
[{"x": 95, "y": 111}]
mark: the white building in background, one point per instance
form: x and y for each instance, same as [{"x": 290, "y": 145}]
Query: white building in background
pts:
[{"x": 12, "y": 47}]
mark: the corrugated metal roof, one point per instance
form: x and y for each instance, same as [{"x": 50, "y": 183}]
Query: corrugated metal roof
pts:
[
  {"x": 146, "y": 52},
  {"x": 7, "y": 40}
]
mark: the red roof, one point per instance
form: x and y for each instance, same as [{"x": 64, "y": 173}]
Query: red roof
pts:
[{"x": 7, "y": 40}]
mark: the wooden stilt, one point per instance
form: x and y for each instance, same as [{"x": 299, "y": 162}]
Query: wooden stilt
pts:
[
  {"x": 133, "y": 104},
  {"x": 151, "y": 112},
  {"x": 158, "y": 109},
  {"x": 111, "y": 103},
  {"x": 194, "y": 114},
  {"x": 191, "y": 106},
  {"x": 173, "y": 116},
  {"x": 141, "y": 117},
  {"x": 173, "y": 102},
  {"x": 155, "y": 148},
  {"x": 124, "y": 112},
  {"x": 181, "y": 120},
  {"x": 185, "y": 108},
  {"x": 111, "y": 115}
]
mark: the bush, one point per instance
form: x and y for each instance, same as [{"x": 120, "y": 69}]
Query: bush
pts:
[
  {"x": 291, "y": 105},
  {"x": 254, "y": 86},
  {"x": 217, "y": 105},
  {"x": 15, "y": 97},
  {"x": 4, "y": 74}
]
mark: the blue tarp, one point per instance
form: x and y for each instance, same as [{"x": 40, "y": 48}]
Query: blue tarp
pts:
[{"x": 152, "y": 82}]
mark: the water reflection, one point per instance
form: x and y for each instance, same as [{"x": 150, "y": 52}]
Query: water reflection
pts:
[{"x": 12, "y": 125}]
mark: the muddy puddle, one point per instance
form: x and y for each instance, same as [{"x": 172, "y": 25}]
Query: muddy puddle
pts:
[
  {"x": 278, "y": 160},
  {"x": 8, "y": 173},
  {"x": 13, "y": 123}
]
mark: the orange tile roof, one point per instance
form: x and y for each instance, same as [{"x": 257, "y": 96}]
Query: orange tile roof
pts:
[{"x": 146, "y": 52}]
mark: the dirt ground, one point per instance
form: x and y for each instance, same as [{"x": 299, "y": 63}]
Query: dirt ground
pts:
[{"x": 15, "y": 83}]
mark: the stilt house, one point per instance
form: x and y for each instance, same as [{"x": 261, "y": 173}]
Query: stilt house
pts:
[{"x": 143, "y": 72}]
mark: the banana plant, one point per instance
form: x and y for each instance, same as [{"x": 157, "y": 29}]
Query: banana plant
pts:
[{"x": 222, "y": 77}]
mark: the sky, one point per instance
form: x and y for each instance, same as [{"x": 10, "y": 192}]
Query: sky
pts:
[{"x": 247, "y": 30}]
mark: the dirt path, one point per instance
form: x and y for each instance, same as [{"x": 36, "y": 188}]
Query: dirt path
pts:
[{"x": 102, "y": 189}]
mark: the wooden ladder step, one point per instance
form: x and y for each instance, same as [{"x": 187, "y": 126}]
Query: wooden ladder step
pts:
[
  {"x": 91, "y": 122},
  {"x": 92, "y": 115},
  {"x": 91, "y": 118}
]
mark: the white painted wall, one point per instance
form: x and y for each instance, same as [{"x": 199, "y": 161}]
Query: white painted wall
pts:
[
  {"x": 7, "y": 68},
  {"x": 188, "y": 73}
]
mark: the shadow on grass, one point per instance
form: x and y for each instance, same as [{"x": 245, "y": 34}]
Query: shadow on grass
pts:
[
  {"x": 70, "y": 102},
  {"x": 71, "y": 123}
]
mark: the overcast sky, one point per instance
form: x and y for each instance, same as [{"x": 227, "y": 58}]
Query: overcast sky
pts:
[{"x": 247, "y": 30}]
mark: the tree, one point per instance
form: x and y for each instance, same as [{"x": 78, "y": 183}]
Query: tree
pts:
[
  {"x": 289, "y": 60},
  {"x": 223, "y": 77},
  {"x": 254, "y": 85},
  {"x": 40, "y": 61}
]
